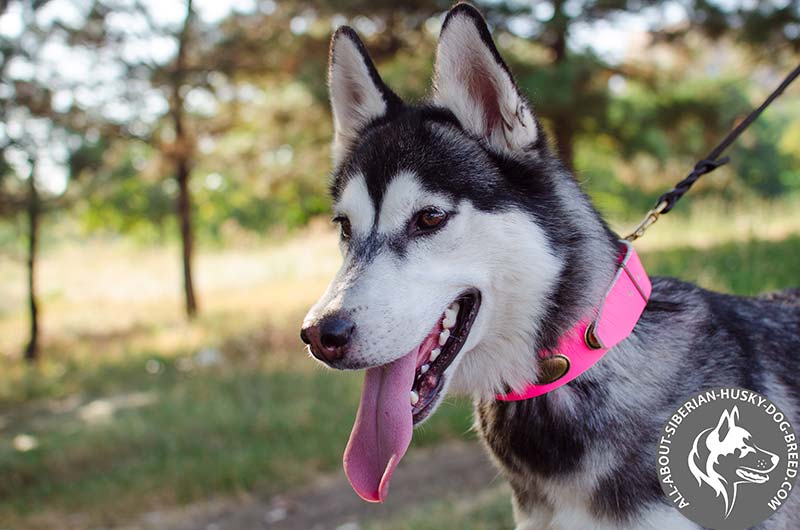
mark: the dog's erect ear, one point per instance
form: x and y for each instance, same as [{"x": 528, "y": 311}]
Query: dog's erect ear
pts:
[
  {"x": 473, "y": 81},
  {"x": 358, "y": 95}
]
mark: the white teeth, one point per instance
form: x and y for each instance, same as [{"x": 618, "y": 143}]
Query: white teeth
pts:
[
  {"x": 435, "y": 353},
  {"x": 424, "y": 368},
  {"x": 443, "y": 336},
  {"x": 414, "y": 397},
  {"x": 450, "y": 315}
]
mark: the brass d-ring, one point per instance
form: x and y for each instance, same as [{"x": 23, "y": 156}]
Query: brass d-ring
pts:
[{"x": 590, "y": 339}]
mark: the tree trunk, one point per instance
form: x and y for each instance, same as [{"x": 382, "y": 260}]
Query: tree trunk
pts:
[
  {"x": 33, "y": 211},
  {"x": 563, "y": 125},
  {"x": 183, "y": 166},
  {"x": 187, "y": 237}
]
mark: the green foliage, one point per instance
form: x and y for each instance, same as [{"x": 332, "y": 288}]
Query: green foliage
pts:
[
  {"x": 763, "y": 162},
  {"x": 635, "y": 125},
  {"x": 761, "y": 24},
  {"x": 123, "y": 199}
]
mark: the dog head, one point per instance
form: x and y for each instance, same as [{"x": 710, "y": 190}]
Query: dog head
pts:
[
  {"x": 459, "y": 231},
  {"x": 726, "y": 457}
]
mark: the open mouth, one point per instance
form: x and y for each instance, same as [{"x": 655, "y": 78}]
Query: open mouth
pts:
[
  {"x": 385, "y": 420},
  {"x": 751, "y": 476},
  {"x": 438, "y": 351}
]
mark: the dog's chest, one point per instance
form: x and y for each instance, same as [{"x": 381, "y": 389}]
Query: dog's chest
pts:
[
  {"x": 570, "y": 504},
  {"x": 570, "y": 516},
  {"x": 567, "y": 476}
]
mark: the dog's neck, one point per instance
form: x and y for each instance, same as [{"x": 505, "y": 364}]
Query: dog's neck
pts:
[
  {"x": 562, "y": 265},
  {"x": 589, "y": 252},
  {"x": 541, "y": 435}
]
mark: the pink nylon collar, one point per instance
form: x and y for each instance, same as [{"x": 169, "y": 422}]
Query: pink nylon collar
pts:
[{"x": 622, "y": 306}]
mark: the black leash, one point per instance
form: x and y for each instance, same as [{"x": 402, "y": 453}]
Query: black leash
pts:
[{"x": 711, "y": 162}]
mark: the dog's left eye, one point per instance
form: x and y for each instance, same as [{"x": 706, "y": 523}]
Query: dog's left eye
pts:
[
  {"x": 428, "y": 220},
  {"x": 346, "y": 231}
]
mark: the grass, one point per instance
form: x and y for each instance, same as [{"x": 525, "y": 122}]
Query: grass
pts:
[
  {"x": 746, "y": 268},
  {"x": 186, "y": 436},
  {"x": 132, "y": 409},
  {"x": 488, "y": 510}
]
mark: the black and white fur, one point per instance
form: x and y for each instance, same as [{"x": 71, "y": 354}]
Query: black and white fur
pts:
[{"x": 524, "y": 234}]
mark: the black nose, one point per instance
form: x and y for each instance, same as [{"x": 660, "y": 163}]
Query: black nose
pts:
[{"x": 329, "y": 337}]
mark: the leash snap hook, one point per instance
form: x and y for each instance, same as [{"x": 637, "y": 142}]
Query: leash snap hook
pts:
[{"x": 649, "y": 219}]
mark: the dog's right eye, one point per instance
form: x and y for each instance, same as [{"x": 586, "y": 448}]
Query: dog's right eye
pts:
[
  {"x": 344, "y": 226},
  {"x": 428, "y": 220}
]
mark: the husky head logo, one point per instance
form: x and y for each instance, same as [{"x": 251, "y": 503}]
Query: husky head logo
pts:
[
  {"x": 725, "y": 457},
  {"x": 463, "y": 237}
]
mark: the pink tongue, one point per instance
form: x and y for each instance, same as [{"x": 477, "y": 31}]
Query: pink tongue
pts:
[{"x": 382, "y": 431}]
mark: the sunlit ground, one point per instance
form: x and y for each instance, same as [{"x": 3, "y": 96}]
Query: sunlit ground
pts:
[{"x": 132, "y": 409}]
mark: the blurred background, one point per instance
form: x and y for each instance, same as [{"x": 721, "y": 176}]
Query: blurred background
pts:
[{"x": 164, "y": 226}]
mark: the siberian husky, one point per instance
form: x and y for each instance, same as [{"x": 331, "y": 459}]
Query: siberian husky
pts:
[{"x": 468, "y": 247}]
